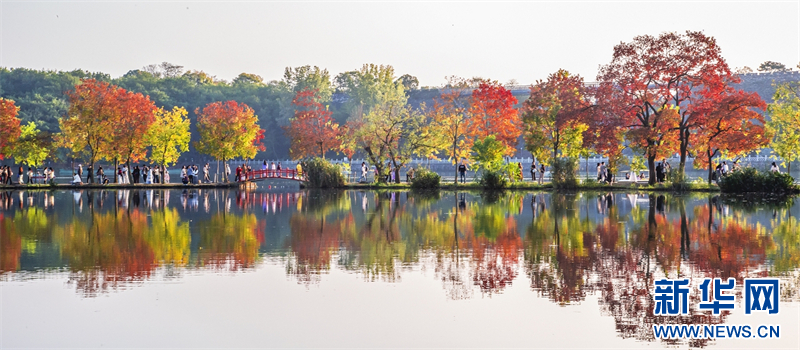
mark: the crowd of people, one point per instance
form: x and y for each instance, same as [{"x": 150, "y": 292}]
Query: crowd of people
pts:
[{"x": 8, "y": 177}]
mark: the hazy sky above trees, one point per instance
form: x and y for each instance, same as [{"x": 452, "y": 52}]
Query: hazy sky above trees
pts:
[{"x": 525, "y": 41}]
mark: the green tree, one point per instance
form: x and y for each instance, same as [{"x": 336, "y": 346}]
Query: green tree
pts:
[
  {"x": 369, "y": 87},
  {"x": 32, "y": 147},
  {"x": 309, "y": 78},
  {"x": 772, "y": 66},
  {"x": 785, "y": 121},
  {"x": 488, "y": 153}
]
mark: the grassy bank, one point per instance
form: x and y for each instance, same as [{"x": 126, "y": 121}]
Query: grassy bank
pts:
[{"x": 531, "y": 186}]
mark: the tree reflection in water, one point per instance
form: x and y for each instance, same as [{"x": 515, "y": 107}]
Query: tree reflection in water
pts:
[{"x": 608, "y": 245}]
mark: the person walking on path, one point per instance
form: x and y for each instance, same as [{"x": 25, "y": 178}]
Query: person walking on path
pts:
[
  {"x": 150, "y": 175},
  {"x": 363, "y": 177},
  {"x": 541, "y": 173},
  {"x": 462, "y": 171},
  {"x": 195, "y": 173},
  {"x": 207, "y": 167},
  {"x": 533, "y": 171},
  {"x": 136, "y": 173},
  {"x": 191, "y": 174}
]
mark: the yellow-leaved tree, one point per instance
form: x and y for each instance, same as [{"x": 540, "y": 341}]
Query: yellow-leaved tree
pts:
[{"x": 168, "y": 136}]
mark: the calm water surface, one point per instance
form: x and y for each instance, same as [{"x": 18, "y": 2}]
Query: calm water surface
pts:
[{"x": 284, "y": 267}]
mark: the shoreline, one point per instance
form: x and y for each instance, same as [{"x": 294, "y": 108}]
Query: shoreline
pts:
[{"x": 118, "y": 186}]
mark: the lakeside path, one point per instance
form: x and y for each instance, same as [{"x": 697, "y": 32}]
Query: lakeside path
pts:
[{"x": 118, "y": 186}]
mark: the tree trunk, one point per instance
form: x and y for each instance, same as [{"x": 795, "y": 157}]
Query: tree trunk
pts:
[
  {"x": 651, "y": 165},
  {"x": 130, "y": 172},
  {"x": 116, "y": 172},
  {"x": 684, "y": 149},
  {"x": 456, "y": 162},
  {"x": 710, "y": 170}
]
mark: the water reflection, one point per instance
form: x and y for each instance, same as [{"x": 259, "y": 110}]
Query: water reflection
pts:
[{"x": 565, "y": 246}]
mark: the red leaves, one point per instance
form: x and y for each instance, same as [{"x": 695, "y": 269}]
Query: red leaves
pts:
[
  {"x": 492, "y": 112},
  {"x": 730, "y": 124},
  {"x": 9, "y": 126},
  {"x": 312, "y": 130}
]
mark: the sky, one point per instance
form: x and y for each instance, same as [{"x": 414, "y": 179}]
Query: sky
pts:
[{"x": 523, "y": 40}]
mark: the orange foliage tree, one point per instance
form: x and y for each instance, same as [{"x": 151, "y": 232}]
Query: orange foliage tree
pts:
[
  {"x": 135, "y": 113},
  {"x": 9, "y": 126},
  {"x": 491, "y": 112},
  {"x": 92, "y": 120},
  {"x": 731, "y": 126},
  {"x": 449, "y": 115},
  {"x": 228, "y": 130},
  {"x": 312, "y": 130}
]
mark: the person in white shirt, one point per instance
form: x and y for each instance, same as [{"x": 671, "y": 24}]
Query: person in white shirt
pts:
[
  {"x": 76, "y": 180},
  {"x": 724, "y": 169},
  {"x": 603, "y": 172},
  {"x": 774, "y": 168},
  {"x": 363, "y": 172}
]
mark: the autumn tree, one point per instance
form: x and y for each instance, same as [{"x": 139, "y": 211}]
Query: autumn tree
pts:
[
  {"x": 9, "y": 126},
  {"x": 391, "y": 133},
  {"x": 653, "y": 85},
  {"x": 312, "y": 130},
  {"x": 553, "y": 117},
  {"x": 32, "y": 147},
  {"x": 448, "y": 114},
  {"x": 228, "y": 130},
  {"x": 168, "y": 136},
  {"x": 135, "y": 113},
  {"x": 731, "y": 127},
  {"x": 492, "y": 112},
  {"x": 90, "y": 124},
  {"x": 784, "y": 112}
]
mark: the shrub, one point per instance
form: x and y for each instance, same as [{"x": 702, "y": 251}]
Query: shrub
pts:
[
  {"x": 493, "y": 180},
  {"x": 751, "y": 180},
  {"x": 563, "y": 173},
  {"x": 322, "y": 174},
  {"x": 513, "y": 172},
  {"x": 425, "y": 179}
]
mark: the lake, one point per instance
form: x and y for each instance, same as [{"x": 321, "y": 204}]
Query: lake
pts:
[{"x": 281, "y": 267}]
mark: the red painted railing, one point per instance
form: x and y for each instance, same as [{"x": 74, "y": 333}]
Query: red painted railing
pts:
[{"x": 289, "y": 174}]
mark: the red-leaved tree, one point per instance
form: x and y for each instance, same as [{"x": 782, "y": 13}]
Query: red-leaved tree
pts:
[
  {"x": 654, "y": 84},
  {"x": 9, "y": 126},
  {"x": 312, "y": 130},
  {"x": 492, "y": 112},
  {"x": 732, "y": 126}
]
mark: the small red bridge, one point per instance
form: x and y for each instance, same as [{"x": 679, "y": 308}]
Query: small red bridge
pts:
[{"x": 286, "y": 174}]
